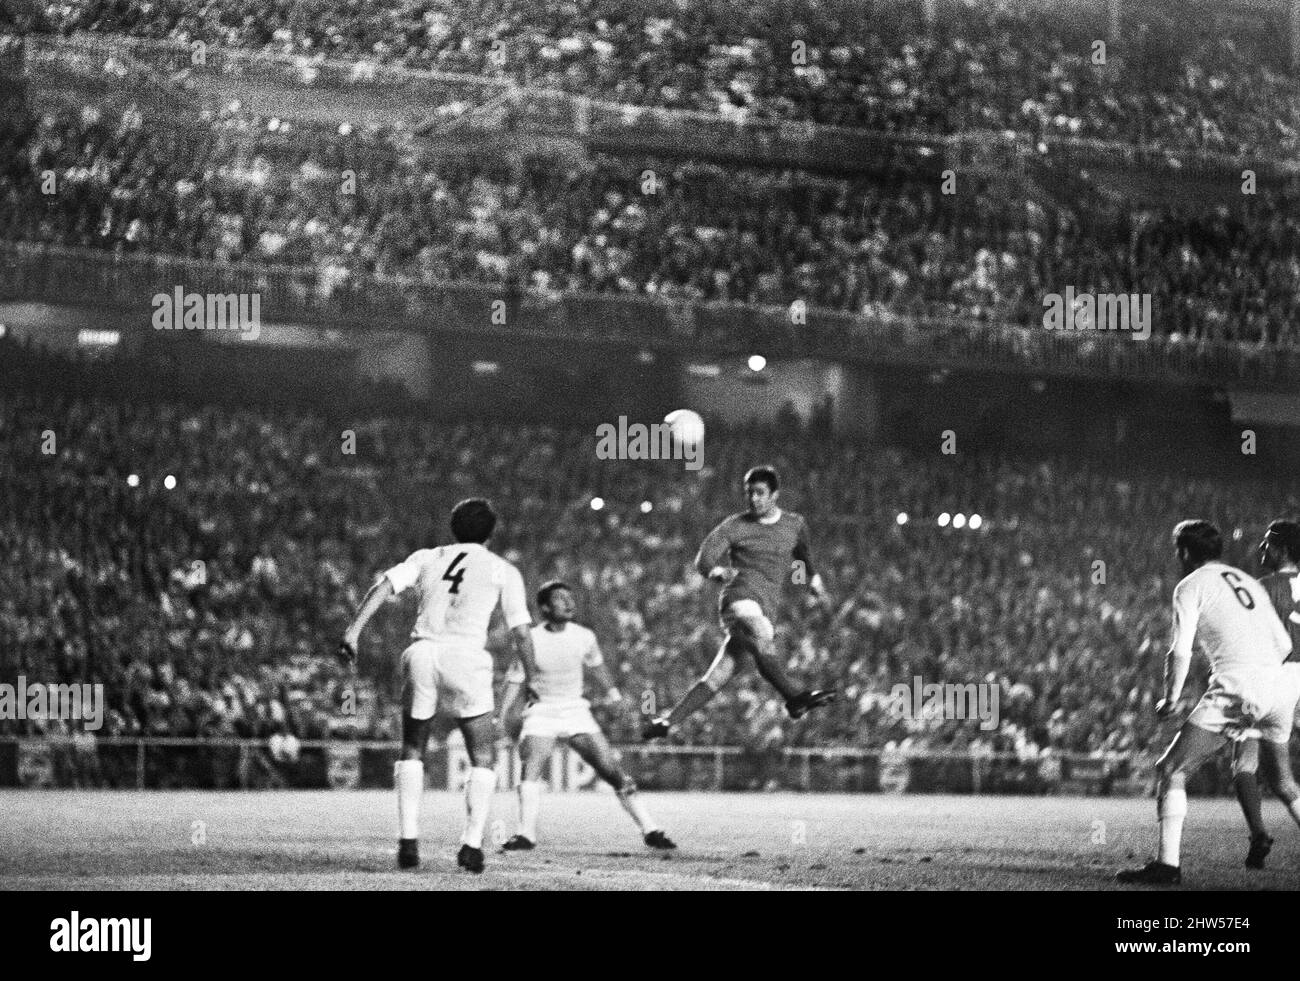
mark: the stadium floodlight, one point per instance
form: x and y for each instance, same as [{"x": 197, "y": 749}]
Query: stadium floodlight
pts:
[
  {"x": 704, "y": 370},
  {"x": 169, "y": 482},
  {"x": 975, "y": 522},
  {"x": 959, "y": 520},
  {"x": 944, "y": 519},
  {"x": 902, "y": 517},
  {"x": 757, "y": 362},
  {"x": 597, "y": 503}
]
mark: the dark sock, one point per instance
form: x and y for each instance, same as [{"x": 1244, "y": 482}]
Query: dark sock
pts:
[
  {"x": 1247, "y": 788},
  {"x": 774, "y": 676},
  {"x": 699, "y": 696}
]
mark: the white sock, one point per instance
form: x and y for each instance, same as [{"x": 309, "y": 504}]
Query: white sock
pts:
[
  {"x": 478, "y": 800},
  {"x": 408, "y": 779},
  {"x": 530, "y": 802},
  {"x": 1172, "y": 810},
  {"x": 633, "y": 805}
]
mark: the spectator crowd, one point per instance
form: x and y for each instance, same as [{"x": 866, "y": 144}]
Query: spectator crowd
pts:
[
  {"x": 213, "y": 607},
  {"x": 382, "y": 204},
  {"x": 1183, "y": 75}
]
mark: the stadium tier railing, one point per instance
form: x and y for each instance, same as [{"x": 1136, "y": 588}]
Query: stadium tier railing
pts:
[
  {"x": 332, "y": 297},
  {"x": 448, "y": 97},
  {"x": 133, "y": 762}
]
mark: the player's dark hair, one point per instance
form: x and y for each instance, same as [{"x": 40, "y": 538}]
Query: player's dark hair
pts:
[
  {"x": 1287, "y": 535},
  {"x": 1201, "y": 539},
  {"x": 472, "y": 520},
  {"x": 544, "y": 594},
  {"x": 763, "y": 475}
]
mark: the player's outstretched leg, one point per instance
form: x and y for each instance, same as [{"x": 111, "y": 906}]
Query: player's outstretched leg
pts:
[
  {"x": 534, "y": 751},
  {"x": 745, "y": 620},
  {"x": 408, "y": 781},
  {"x": 1192, "y": 745},
  {"x": 1245, "y": 781},
  {"x": 798, "y": 703},
  {"x": 480, "y": 743},
  {"x": 702, "y": 692},
  {"x": 596, "y": 753}
]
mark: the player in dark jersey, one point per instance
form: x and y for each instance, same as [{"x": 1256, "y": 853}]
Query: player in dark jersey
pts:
[
  {"x": 1279, "y": 556},
  {"x": 751, "y": 554}
]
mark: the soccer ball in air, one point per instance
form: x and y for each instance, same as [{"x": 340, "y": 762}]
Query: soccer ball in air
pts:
[{"x": 686, "y": 425}]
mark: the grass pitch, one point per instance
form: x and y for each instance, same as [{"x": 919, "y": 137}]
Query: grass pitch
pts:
[{"x": 344, "y": 840}]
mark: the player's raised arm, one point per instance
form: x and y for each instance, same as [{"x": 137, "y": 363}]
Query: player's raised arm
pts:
[
  {"x": 393, "y": 582},
  {"x": 1179, "y": 659},
  {"x": 515, "y": 679},
  {"x": 524, "y": 650},
  {"x": 514, "y": 607},
  {"x": 713, "y": 550},
  {"x": 380, "y": 593}
]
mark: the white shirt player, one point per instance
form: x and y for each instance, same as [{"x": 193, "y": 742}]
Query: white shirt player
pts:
[
  {"x": 561, "y": 656},
  {"x": 1229, "y": 616},
  {"x": 460, "y": 586}
]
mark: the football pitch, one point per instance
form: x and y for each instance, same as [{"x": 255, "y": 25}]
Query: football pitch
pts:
[{"x": 343, "y": 840}]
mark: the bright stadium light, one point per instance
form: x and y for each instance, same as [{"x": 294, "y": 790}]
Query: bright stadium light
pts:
[
  {"x": 133, "y": 480},
  {"x": 959, "y": 521},
  {"x": 902, "y": 517},
  {"x": 975, "y": 522},
  {"x": 757, "y": 362},
  {"x": 597, "y": 503},
  {"x": 169, "y": 482},
  {"x": 944, "y": 519},
  {"x": 646, "y": 507}
]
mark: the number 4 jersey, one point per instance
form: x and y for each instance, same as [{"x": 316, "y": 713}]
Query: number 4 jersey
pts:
[
  {"x": 460, "y": 586},
  {"x": 1229, "y": 616}
]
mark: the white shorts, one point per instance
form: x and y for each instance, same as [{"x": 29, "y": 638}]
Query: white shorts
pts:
[
  {"x": 1269, "y": 715},
  {"x": 446, "y": 679},
  {"x": 749, "y": 612},
  {"x": 558, "y": 720}
]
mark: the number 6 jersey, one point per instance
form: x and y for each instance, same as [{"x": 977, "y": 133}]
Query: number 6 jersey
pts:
[
  {"x": 1229, "y": 616},
  {"x": 460, "y": 586}
]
